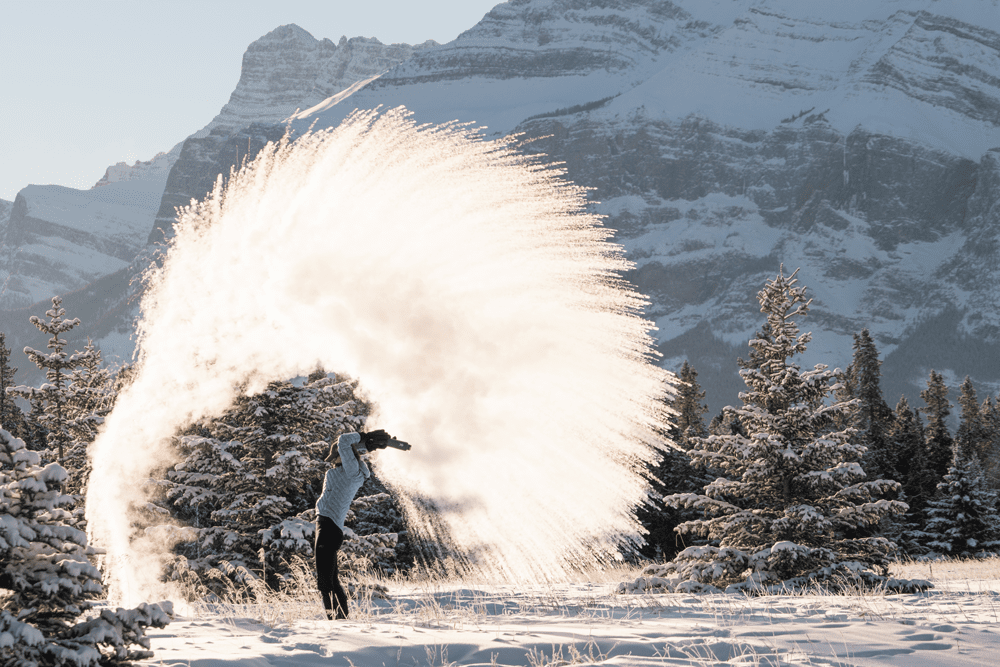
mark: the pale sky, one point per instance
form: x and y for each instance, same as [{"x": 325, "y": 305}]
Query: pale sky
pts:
[{"x": 88, "y": 83}]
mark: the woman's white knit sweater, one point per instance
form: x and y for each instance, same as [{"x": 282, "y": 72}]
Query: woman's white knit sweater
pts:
[{"x": 342, "y": 483}]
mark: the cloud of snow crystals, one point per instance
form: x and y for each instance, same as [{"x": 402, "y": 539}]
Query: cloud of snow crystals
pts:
[{"x": 467, "y": 289}]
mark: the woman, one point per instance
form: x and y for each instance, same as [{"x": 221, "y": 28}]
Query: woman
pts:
[{"x": 339, "y": 487}]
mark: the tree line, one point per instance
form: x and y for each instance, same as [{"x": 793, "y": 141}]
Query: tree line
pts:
[
  {"x": 814, "y": 479},
  {"x": 238, "y": 506},
  {"x": 816, "y": 462}
]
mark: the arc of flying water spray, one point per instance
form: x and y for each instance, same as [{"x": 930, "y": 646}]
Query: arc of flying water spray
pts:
[{"x": 466, "y": 286}]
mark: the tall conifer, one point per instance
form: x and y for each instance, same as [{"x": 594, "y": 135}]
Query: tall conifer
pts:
[
  {"x": 871, "y": 415},
  {"x": 672, "y": 472},
  {"x": 972, "y": 436},
  {"x": 938, "y": 439},
  {"x": 690, "y": 407},
  {"x": 11, "y": 417},
  {"x": 791, "y": 490},
  {"x": 50, "y": 402}
]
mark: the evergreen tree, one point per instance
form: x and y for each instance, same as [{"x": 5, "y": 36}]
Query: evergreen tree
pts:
[
  {"x": 938, "y": 439},
  {"x": 962, "y": 520},
  {"x": 247, "y": 484},
  {"x": 11, "y": 417},
  {"x": 907, "y": 437},
  {"x": 45, "y": 566},
  {"x": 672, "y": 472},
  {"x": 990, "y": 412},
  {"x": 90, "y": 395},
  {"x": 50, "y": 402},
  {"x": 689, "y": 407},
  {"x": 919, "y": 484},
  {"x": 871, "y": 416},
  {"x": 792, "y": 489},
  {"x": 972, "y": 437}
]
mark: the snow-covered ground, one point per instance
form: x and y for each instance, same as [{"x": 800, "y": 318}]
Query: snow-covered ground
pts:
[{"x": 436, "y": 624}]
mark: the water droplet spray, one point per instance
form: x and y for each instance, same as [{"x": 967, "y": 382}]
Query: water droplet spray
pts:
[{"x": 468, "y": 289}]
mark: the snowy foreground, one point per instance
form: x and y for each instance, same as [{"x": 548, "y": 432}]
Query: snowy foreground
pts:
[{"x": 438, "y": 624}]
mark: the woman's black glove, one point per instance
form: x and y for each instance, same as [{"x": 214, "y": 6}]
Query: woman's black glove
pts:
[{"x": 375, "y": 440}]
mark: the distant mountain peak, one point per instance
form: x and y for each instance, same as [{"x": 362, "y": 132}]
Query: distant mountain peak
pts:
[{"x": 289, "y": 33}]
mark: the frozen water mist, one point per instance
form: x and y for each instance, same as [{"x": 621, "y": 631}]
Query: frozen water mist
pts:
[{"x": 466, "y": 287}]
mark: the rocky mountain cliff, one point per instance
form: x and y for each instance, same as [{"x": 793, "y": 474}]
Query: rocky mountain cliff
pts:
[
  {"x": 854, "y": 144},
  {"x": 5, "y": 207},
  {"x": 156, "y": 169},
  {"x": 58, "y": 239},
  {"x": 724, "y": 138},
  {"x": 284, "y": 71}
]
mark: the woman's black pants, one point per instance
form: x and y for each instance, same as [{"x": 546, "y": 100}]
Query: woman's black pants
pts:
[{"x": 328, "y": 540}]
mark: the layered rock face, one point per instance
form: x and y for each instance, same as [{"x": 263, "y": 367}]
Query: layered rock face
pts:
[
  {"x": 288, "y": 69},
  {"x": 58, "y": 239},
  {"x": 156, "y": 169},
  {"x": 5, "y": 208},
  {"x": 724, "y": 140},
  {"x": 708, "y": 213},
  {"x": 528, "y": 57},
  {"x": 284, "y": 71}
]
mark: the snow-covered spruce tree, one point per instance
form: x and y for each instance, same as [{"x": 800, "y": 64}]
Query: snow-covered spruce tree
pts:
[
  {"x": 248, "y": 482},
  {"x": 671, "y": 472},
  {"x": 962, "y": 521},
  {"x": 90, "y": 395},
  {"x": 938, "y": 440},
  {"x": 871, "y": 416},
  {"x": 50, "y": 402},
  {"x": 873, "y": 422},
  {"x": 49, "y": 580},
  {"x": 791, "y": 489}
]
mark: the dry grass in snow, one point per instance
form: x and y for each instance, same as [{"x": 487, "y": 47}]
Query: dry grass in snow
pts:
[{"x": 428, "y": 623}]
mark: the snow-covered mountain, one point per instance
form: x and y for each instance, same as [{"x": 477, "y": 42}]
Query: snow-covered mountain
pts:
[
  {"x": 288, "y": 69},
  {"x": 58, "y": 239},
  {"x": 722, "y": 138},
  {"x": 156, "y": 169},
  {"x": 527, "y": 58},
  {"x": 284, "y": 71},
  {"x": 850, "y": 139}
]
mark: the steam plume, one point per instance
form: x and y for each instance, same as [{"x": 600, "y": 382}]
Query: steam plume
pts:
[{"x": 467, "y": 288}]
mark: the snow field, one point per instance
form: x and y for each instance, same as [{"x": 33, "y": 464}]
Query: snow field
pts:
[{"x": 436, "y": 624}]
